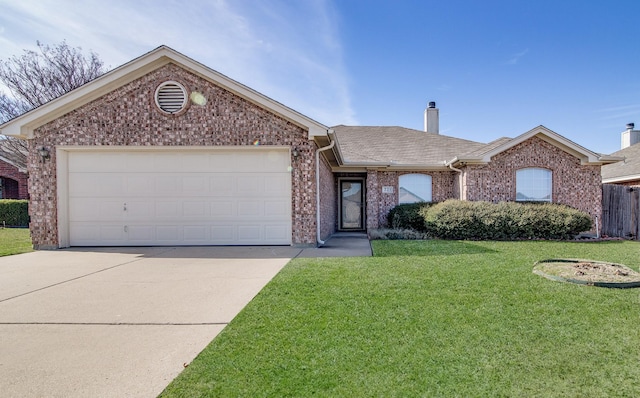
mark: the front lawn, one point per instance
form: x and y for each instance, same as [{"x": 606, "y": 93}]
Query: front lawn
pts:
[
  {"x": 433, "y": 319},
  {"x": 14, "y": 241}
]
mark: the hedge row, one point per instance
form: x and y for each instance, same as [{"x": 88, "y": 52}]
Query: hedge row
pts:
[
  {"x": 456, "y": 219},
  {"x": 14, "y": 213}
]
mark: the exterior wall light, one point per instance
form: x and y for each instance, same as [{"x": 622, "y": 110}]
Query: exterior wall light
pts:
[
  {"x": 295, "y": 153},
  {"x": 44, "y": 154}
]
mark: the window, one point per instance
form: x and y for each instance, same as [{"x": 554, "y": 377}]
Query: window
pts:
[
  {"x": 533, "y": 184},
  {"x": 414, "y": 188}
]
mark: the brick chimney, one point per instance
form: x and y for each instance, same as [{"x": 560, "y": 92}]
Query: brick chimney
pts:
[
  {"x": 431, "y": 119},
  {"x": 630, "y": 136}
]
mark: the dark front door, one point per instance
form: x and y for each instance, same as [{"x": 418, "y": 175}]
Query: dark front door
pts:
[{"x": 351, "y": 204}]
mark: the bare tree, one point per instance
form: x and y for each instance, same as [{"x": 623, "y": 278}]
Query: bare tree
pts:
[{"x": 36, "y": 78}]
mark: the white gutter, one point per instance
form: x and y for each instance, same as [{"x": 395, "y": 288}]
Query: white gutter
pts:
[{"x": 333, "y": 143}]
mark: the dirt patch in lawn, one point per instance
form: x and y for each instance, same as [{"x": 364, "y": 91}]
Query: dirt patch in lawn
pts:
[{"x": 588, "y": 272}]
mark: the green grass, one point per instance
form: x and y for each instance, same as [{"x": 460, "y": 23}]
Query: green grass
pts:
[
  {"x": 432, "y": 319},
  {"x": 14, "y": 241}
]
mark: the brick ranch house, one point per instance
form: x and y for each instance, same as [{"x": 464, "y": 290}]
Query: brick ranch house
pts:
[
  {"x": 166, "y": 151},
  {"x": 13, "y": 180}
]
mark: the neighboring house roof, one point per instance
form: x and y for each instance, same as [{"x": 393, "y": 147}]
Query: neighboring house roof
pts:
[
  {"x": 12, "y": 163},
  {"x": 24, "y": 125},
  {"x": 396, "y": 146},
  {"x": 399, "y": 147},
  {"x": 626, "y": 170},
  {"x": 406, "y": 196}
]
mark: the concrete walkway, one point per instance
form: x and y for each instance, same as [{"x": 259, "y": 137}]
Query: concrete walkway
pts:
[{"x": 122, "y": 322}]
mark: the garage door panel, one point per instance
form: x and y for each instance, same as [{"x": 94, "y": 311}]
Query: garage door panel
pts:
[
  {"x": 251, "y": 208},
  {"x": 276, "y": 184},
  {"x": 167, "y": 234},
  {"x": 168, "y": 185},
  {"x": 221, "y": 209},
  {"x": 195, "y": 185},
  {"x": 92, "y": 184},
  {"x": 196, "y": 233},
  {"x": 181, "y": 198},
  {"x": 139, "y": 210},
  {"x": 141, "y": 233},
  {"x": 86, "y": 209},
  {"x": 104, "y": 162},
  {"x": 139, "y": 184},
  {"x": 167, "y": 210},
  {"x": 276, "y": 233},
  {"x": 223, "y": 233},
  {"x": 276, "y": 209},
  {"x": 195, "y": 209},
  {"x": 222, "y": 185},
  {"x": 249, "y": 233},
  {"x": 88, "y": 234},
  {"x": 250, "y": 185}
]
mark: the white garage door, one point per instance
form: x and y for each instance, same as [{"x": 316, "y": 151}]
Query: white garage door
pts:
[{"x": 222, "y": 197}]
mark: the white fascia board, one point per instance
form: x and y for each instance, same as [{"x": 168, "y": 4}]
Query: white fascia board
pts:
[
  {"x": 24, "y": 125},
  {"x": 613, "y": 180}
]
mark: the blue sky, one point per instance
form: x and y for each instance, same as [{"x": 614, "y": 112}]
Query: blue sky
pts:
[{"x": 495, "y": 68}]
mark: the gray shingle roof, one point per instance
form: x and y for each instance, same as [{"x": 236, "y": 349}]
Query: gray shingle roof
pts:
[
  {"x": 627, "y": 168},
  {"x": 361, "y": 145}
]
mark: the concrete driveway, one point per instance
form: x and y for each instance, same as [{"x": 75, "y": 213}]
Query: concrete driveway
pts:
[{"x": 119, "y": 322}]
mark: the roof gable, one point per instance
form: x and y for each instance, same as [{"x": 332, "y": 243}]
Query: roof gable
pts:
[
  {"x": 24, "y": 125},
  {"x": 490, "y": 150}
]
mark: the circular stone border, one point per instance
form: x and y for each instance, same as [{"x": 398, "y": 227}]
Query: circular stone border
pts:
[{"x": 610, "y": 284}]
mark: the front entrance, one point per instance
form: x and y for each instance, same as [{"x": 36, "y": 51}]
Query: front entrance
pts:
[{"x": 351, "y": 204}]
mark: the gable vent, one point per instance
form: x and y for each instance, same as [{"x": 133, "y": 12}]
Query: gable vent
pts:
[{"x": 171, "y": 97}]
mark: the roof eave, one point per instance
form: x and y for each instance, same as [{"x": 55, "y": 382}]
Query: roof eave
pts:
[{"x": 626, "y": 178}]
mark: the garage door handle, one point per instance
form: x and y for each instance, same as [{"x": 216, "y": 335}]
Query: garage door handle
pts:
[
  {"x": 125, "y": 207},
  {"x": 126, "y": 228}
]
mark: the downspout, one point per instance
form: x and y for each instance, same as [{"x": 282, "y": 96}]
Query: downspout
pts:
[
  {"x": 460, "y": 179},
  {"x": 331, "y": 145}
]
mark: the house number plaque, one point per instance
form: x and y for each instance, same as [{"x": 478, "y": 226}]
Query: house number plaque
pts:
[{"x": 387, "y": 189}]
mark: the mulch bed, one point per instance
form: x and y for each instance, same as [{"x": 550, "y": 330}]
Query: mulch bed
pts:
[{"x": 588, "y": 272}]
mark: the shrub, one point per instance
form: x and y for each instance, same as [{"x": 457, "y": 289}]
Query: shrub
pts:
[
  {"x": 394, "y": 234},
  {"x": 455, "y": 219},
  {"x": 408, "y": 216},
  {"x": 14, "y": 213}
]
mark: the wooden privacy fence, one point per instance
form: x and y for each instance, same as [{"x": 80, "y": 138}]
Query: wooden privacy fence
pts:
[{"x": 620, "y": 211}]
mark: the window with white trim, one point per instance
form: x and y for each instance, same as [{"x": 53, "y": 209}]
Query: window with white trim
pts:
[
  {"x": 533, "y": 184},
  {"x": 414, "y": 188}
]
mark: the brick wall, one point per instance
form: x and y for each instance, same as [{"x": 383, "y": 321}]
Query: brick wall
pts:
[
  {"x": 128, "y": 116},
  {"x": 15, "y": 182},
  {"x": 573, "y": 184},
  {"x": 379, "y": 204},
  {"x": 328, "y": 200}
]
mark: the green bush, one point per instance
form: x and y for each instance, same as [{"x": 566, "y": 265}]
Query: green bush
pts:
[
  {"x": 408, "y": 216},
  {"x": 14, "y": 213},
  {"x": 455, "y": 219}
]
